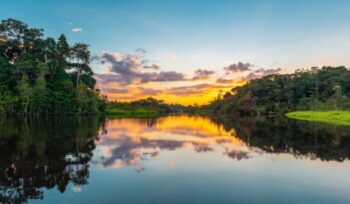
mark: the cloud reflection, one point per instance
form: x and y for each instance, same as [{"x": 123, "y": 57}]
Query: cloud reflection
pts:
[{"x": 129, "y": 142}]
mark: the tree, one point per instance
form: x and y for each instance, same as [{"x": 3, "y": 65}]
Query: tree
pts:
[
  {"x": 49, "y": 50},
  {"x": 33, "y": 74},
  {"x": 12, "y": 38},
  {"x": 62, "y": 48},
  {"x": 81, "y": 55}
]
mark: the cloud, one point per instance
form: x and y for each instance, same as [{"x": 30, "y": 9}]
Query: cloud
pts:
[
  {"x": 77, "y": 30},
  {"x": 224, "y": 81},
  {"x": 76, "y": 189},
  {"x": 130, "y": 145},
  {"x": 201, "y": 74},
  {"x": 127, "y": 74},
  {"x": 140, "y": 51},
  {"x": 128, "y": 149},
  {"x": 133, "y": 69},
  {"x": 266, "y": 72},
  {"x": 153, "y": 66},
  {"x": 148, "y": 91},
  {"x": 201, "y": 147},
  {"x": 246, "y": 68},
  {"x": 261, "y": 73},
  {"x": 195, "y": 89},
  {"x": 106, "y": 78},
  {"x": 239, "y": 67},
  {"x": 188, "y": 90},
  {"x": 239, "y": 155},
  {"x": 252, "y": 76},
  {"x": 129, "y": 92},
  {"x": 115, "y": 90},
  {"x": 162, "y": 76}
]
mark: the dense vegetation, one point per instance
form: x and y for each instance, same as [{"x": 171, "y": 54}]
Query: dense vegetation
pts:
[
  {"x": 326, "y": 88},
  {"x": 44, "y": 76},
  {"x": 143, "y": 107}
]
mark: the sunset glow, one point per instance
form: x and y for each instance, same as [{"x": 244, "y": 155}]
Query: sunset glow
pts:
[
  {"x": 196, "y": 96},
  {"x": 175, "y": 101},
  {"x": 165, "y": 50},
  {"x": 141, "y": 139},
  {"x": 128, "y": 77}
]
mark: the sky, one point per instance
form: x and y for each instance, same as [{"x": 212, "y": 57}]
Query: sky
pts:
[{"x": 189, "y": 51}]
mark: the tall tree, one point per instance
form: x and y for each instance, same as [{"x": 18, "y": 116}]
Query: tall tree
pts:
[
  {"x": 62, "y": 48},
  {"x": 81, "y": 56},
  {"x": 49, "y": 50}
]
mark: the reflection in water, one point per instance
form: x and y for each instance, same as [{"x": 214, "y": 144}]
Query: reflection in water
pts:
[
  {"x": 36, "y": 154},
  {"x": 129, "y": 141},
  {"x": 40, "y": 154},
  {"x": 302, "y": 139}
]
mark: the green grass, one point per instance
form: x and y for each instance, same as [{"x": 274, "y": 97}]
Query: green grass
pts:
[
  {"x": 331, "y": 117},
  {"x": 137, "y": 112}
]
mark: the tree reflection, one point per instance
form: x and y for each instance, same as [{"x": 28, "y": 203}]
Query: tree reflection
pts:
[
  {"x": 302, "y": 139},
  {"x": 44, "y": 153},
  {"x": 53, "y": 153}
]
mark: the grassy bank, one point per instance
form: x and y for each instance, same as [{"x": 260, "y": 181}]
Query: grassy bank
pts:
[
  {"x": 331, "y": 117},
  {"x": 137, "y": 112}
]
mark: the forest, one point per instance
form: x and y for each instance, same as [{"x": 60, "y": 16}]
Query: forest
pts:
[
  {"x": 41, "y": 75},
  {"x": 322, "y": 89}
]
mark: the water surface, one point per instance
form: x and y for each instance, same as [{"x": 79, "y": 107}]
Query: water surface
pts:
[{"x": 173, "y": 159}]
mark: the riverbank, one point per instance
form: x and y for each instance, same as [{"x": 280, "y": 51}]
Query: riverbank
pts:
[
  {"x": 137, "y": 112},
  {"x": 331, "y": 117}
]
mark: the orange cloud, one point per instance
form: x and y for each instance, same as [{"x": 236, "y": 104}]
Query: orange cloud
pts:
[
  {"x": 130, "y": 77},
  {"x": 185, "y": 95}
]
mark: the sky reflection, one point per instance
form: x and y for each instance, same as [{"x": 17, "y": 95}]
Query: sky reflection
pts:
[
  {"x": 180, "y": 159},
  {"x": 128, "y": 142}
]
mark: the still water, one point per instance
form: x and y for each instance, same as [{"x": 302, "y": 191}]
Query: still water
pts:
[{"x": 173, "y": 159}]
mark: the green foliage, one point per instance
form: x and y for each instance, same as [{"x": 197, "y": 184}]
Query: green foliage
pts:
[
  {"x": 143, "y": 107},
  {"x": 137, "y": 112},
  {"x": 34, "y": 78},
  {"x": 332, "y": 117},
  {"x": 87, "y": 100},
  {"x": 62, "y": 48},
  {"x": 327, "y": 88}
]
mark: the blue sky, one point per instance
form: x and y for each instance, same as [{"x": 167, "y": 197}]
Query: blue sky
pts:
[
  {"x": 205, "y": 33},
  {"x": 184, "y": 35}
]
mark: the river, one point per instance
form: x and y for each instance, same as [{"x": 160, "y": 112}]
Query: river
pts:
[{"x": 173, "y": 159}]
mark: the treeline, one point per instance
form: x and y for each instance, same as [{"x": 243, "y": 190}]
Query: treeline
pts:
[
  {"x": 42, "y": 75},
  {"x": 326, "y": 88},
  {"x": 149, "y": 106}
]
